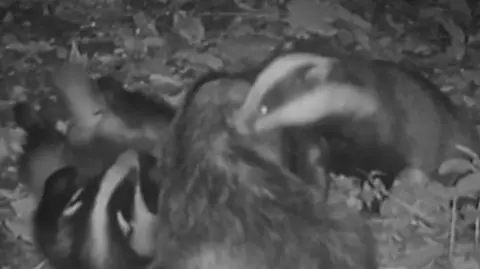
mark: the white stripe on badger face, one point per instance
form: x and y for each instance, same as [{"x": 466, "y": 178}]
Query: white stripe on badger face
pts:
[
  {"x": 275, "y": 72},
  {"x": 123, "y": 224},
  {"x": 99, "y": 243},
  {"x": 143, "y": 226},
  {"x": 323, "y": 101},
  {"x": 72, "y": 205}
]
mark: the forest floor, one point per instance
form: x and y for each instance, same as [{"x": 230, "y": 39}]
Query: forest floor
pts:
[{"x": 160, "y": 49}]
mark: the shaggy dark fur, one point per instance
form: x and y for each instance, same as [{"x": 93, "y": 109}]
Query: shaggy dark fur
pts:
[
  {"x": 219, "y": 207},
  {"x": 415, "y": 126},
  {"x": 292, "y": 147},
  {"x": 135, "y": 108}
]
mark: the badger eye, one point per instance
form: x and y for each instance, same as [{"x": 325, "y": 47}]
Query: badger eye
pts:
[{"x": 263, "y": 110}]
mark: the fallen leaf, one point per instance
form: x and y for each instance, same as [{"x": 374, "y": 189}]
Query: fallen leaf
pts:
[
  {"x": 461, "y": 262},
  {"x": 61, "y": 126},
  {"x": 31, "y": 47},
  {"x": 189, "y": 27},
  {"x": 441, "y": 191},
  {"x": 456, "y": 166},
  {"x": 132, "y": 45},
  {"x": 176, "y": 100},
  {"x": 20, "y": 228},
  {"x": 41, "y": 265},
  {"x": 20, "y": 225},
  {"x": 154, "y": 42},
  {"x": 457, "y": 47},
  {"x": 160, "y": 79},
  {"x": 420, "y": 257},
  {"x": 8, "y": 18},
  {"x": 19, "y": 93},
  {"x": 311, "y": 15},
  {"x": 348, "y": 16},
  {"x": 468, "y": 184},
  {"x": 155, "y": 66},
  {"x": 107, "y": 59},
  {"x": 8, "y": 194},
  {"x": 243, "y": 6},
  {"x": 145, "y": 25},
  {"x": 249, "y": 48},
  {"x": 15, "y": 138},
  {"x": 24, "y": 207},
  {"x": 467, "y": 151},
  {"x": 200, "y": 58}
]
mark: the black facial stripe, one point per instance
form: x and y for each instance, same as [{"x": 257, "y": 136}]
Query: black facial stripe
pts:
[
  {"x": 148, "y": 188},
  {"x": 288, "y": 88}
]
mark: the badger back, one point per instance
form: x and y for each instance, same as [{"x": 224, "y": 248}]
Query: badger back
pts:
[
  {"x": 202, "y": 127},
  {"x": 226, "y": 201}
]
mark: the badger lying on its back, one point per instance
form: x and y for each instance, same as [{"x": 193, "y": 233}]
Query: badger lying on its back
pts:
[{"x": 108, "y": 223}]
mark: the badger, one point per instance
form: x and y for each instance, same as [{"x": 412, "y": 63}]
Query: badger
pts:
[
  {"x": 107, "y": 223},
  {"x": 103, "y": 108},
  {"x": 46, "y": 150},
  {"x": 226, "y": 201},
  {"x": 374, "y": 115}
]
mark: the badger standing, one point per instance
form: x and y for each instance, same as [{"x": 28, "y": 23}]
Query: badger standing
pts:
[
  {"x": 374, "y": 115},
  {"x": 219, "y": 208}
]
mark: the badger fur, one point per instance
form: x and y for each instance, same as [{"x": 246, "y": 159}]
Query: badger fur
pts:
[
  {"x": 103, "y": 224},
  {"x": 374, "y": 115},
  {"x": 220, "y": 207},
  {"x": 103, "y": 108}
]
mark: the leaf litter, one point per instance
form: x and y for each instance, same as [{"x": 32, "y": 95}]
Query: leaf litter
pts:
[{"x": 161, "y": 48}]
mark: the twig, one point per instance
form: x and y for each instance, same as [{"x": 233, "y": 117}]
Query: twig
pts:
[
  {"x": 477, "y": 229},
  {"x": 413, "y": 210},
  {"x": 452, "y": 228},
  {"x": 40, "y": 265}
]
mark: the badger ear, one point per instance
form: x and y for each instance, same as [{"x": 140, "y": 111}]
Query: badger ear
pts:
[
  {"x": 310, "y": 75},
  {"x": 316, "y": 74},
  {"x": 133, "y": 175},
  {"x": 319, "y": 70}
]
